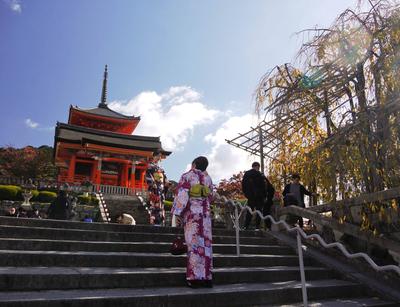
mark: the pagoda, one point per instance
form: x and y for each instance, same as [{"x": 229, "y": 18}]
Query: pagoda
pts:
[{"x": 97, "y": 146}]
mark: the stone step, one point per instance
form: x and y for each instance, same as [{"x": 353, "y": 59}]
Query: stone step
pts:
[
  {"x": 127, "y": 259},
  {"x": 347, "y": 302},
  {"x": 51, "y": 278},
  {"x": 141, "y": 247},
  {"x": 243, "y": 294},
  {"x": 91, "y": 235},
  {"x": 112, "y": 227}
]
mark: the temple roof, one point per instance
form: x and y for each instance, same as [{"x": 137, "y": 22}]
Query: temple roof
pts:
[
  {"x": 83, "y": 135},
  {"x": 104, "y": 110}
]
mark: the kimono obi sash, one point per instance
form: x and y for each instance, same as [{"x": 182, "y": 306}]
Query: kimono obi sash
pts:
[{"x": 199, "y": 190}]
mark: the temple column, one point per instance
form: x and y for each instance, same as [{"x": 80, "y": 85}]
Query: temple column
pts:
[
  {"x": 98, "y": 171},
  {"x": 133, "y": 170},
  {"x": 71, "y": 169},
  {"x": 126, "y": 174},
  {"x": 94, "y": 171},
  {"x": 142, "y": 178}
]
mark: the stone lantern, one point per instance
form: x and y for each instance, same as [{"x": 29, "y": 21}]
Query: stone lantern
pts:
[{"x": 27, "y": 195}]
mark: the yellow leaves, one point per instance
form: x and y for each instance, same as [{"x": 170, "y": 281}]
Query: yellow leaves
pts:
[
  {"x": 381, "y": 215},
  {"x": 296, "y": 73},
  {"x": 321, "y": 51},
  {"x": 394, "y": 205},
  {"x": 365, "y": 223},
  {"x": 389, "y": 219}
]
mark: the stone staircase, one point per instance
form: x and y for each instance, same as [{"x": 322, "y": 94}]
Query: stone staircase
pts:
[{"x": 63, "y": 263}]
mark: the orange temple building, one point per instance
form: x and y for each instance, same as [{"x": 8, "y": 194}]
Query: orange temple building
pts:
[{"x": 97, "y": 145}]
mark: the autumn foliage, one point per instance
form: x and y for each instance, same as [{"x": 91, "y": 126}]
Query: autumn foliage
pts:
[
  {"x": 335, "y": 112},
  {"x": 27, "y": 162},
  {"x": 231, "y": 188}
]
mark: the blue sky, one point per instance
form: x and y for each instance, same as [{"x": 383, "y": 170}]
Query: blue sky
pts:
[{"x": 189, "y": 68}]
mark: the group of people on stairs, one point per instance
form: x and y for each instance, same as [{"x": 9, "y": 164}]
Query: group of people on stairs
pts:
[{"x": 192, "y": 209}]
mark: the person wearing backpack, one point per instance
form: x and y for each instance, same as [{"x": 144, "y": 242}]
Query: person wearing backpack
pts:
[
  {"x": 255, "y": 189},
  {"x": 294, "y": 196}
]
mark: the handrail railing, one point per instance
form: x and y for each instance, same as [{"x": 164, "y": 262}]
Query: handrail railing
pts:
[
  {"x": 103, "y": 207},
  {"x": 236, "y": 221},
  {"x": 111, "y": 189},
  {"x": 344, "y": 227},
  {"x": 300, "y": 233}
]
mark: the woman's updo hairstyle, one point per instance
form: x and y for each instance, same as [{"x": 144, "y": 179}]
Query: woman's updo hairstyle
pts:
[{"x": 200, "y": 163}]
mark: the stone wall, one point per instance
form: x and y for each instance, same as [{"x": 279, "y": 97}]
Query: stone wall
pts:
[
  {"x": 118, "y": 204},
  {"x": 79, "y": 211}
]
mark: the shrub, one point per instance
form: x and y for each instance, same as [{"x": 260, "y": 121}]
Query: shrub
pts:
[
  {"x": 83, "y": 200},
  {"x": 87, "y": 200},
  {"x": 46, "y": 196},
  {"x": 9, "y": 192},
  {"x": 48, "y": 189}
]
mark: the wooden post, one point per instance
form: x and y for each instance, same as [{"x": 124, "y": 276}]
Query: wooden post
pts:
[
  {"x": 98, "y": 171},
  {"x": 261, "y": 149},
  {"x": 121, "y": 175},
  {"x": 327, "y": 114},
  {"x": 133, "y": 170},
  {"x": 71, "y": 170},
  {"x": 94, "y": 171},
  {"x": 142, "y": 176},
  {"x": 126, "y": 175}
]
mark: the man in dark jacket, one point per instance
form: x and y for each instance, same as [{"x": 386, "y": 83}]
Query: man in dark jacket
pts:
[
  {"x": 58, "y": 209},
  {"x": 254, "y": 188},
  {"x": 294, "y": 195}
]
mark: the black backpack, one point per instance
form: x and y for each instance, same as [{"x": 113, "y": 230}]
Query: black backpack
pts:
[{"x": 290, "y": 200}]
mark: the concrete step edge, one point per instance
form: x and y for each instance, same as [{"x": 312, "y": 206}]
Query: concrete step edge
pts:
[
  {"x": 134, "y": 254},
  {"x": 49, "y": 295},
  {"x": 44, "y": 271},
  {"x": 109, "y": 227},
  {"x": 16, "y": 240},
  {"x": 50, "y": 230},
  {"x": 348, "y": 302}
]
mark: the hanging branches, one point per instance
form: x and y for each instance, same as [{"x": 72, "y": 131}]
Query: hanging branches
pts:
[{"x": 335, "y": 116}]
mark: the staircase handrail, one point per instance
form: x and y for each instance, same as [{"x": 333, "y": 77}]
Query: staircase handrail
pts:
[
  {"x": 103, "y": 205},
  {"x": 235, "y": 220},
  {"x": 300, "y": 233},
  {"x": 342, "y": 248},
  {"x": 345, "y": 227}
]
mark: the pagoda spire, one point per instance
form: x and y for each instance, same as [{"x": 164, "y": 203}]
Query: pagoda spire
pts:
[{"x": 103, "y": 102}]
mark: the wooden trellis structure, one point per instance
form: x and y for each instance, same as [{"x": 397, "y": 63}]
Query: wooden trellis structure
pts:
[{"x": 257, "y": 141}]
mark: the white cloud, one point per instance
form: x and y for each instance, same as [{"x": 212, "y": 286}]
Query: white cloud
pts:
[
  {"x": 224, "y": 159},
  {"x": 181, "y": 94},
  {"x": 31, "y": 124},
  {"x": 14, "y": 5},
  {"x": 172, "y": 115}
]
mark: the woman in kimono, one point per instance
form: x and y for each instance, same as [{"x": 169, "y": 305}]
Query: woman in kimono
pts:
[{"x": 192, "y": 207}]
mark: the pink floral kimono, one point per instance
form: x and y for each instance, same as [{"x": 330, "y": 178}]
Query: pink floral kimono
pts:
[{"x": 196, "y": 215}]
